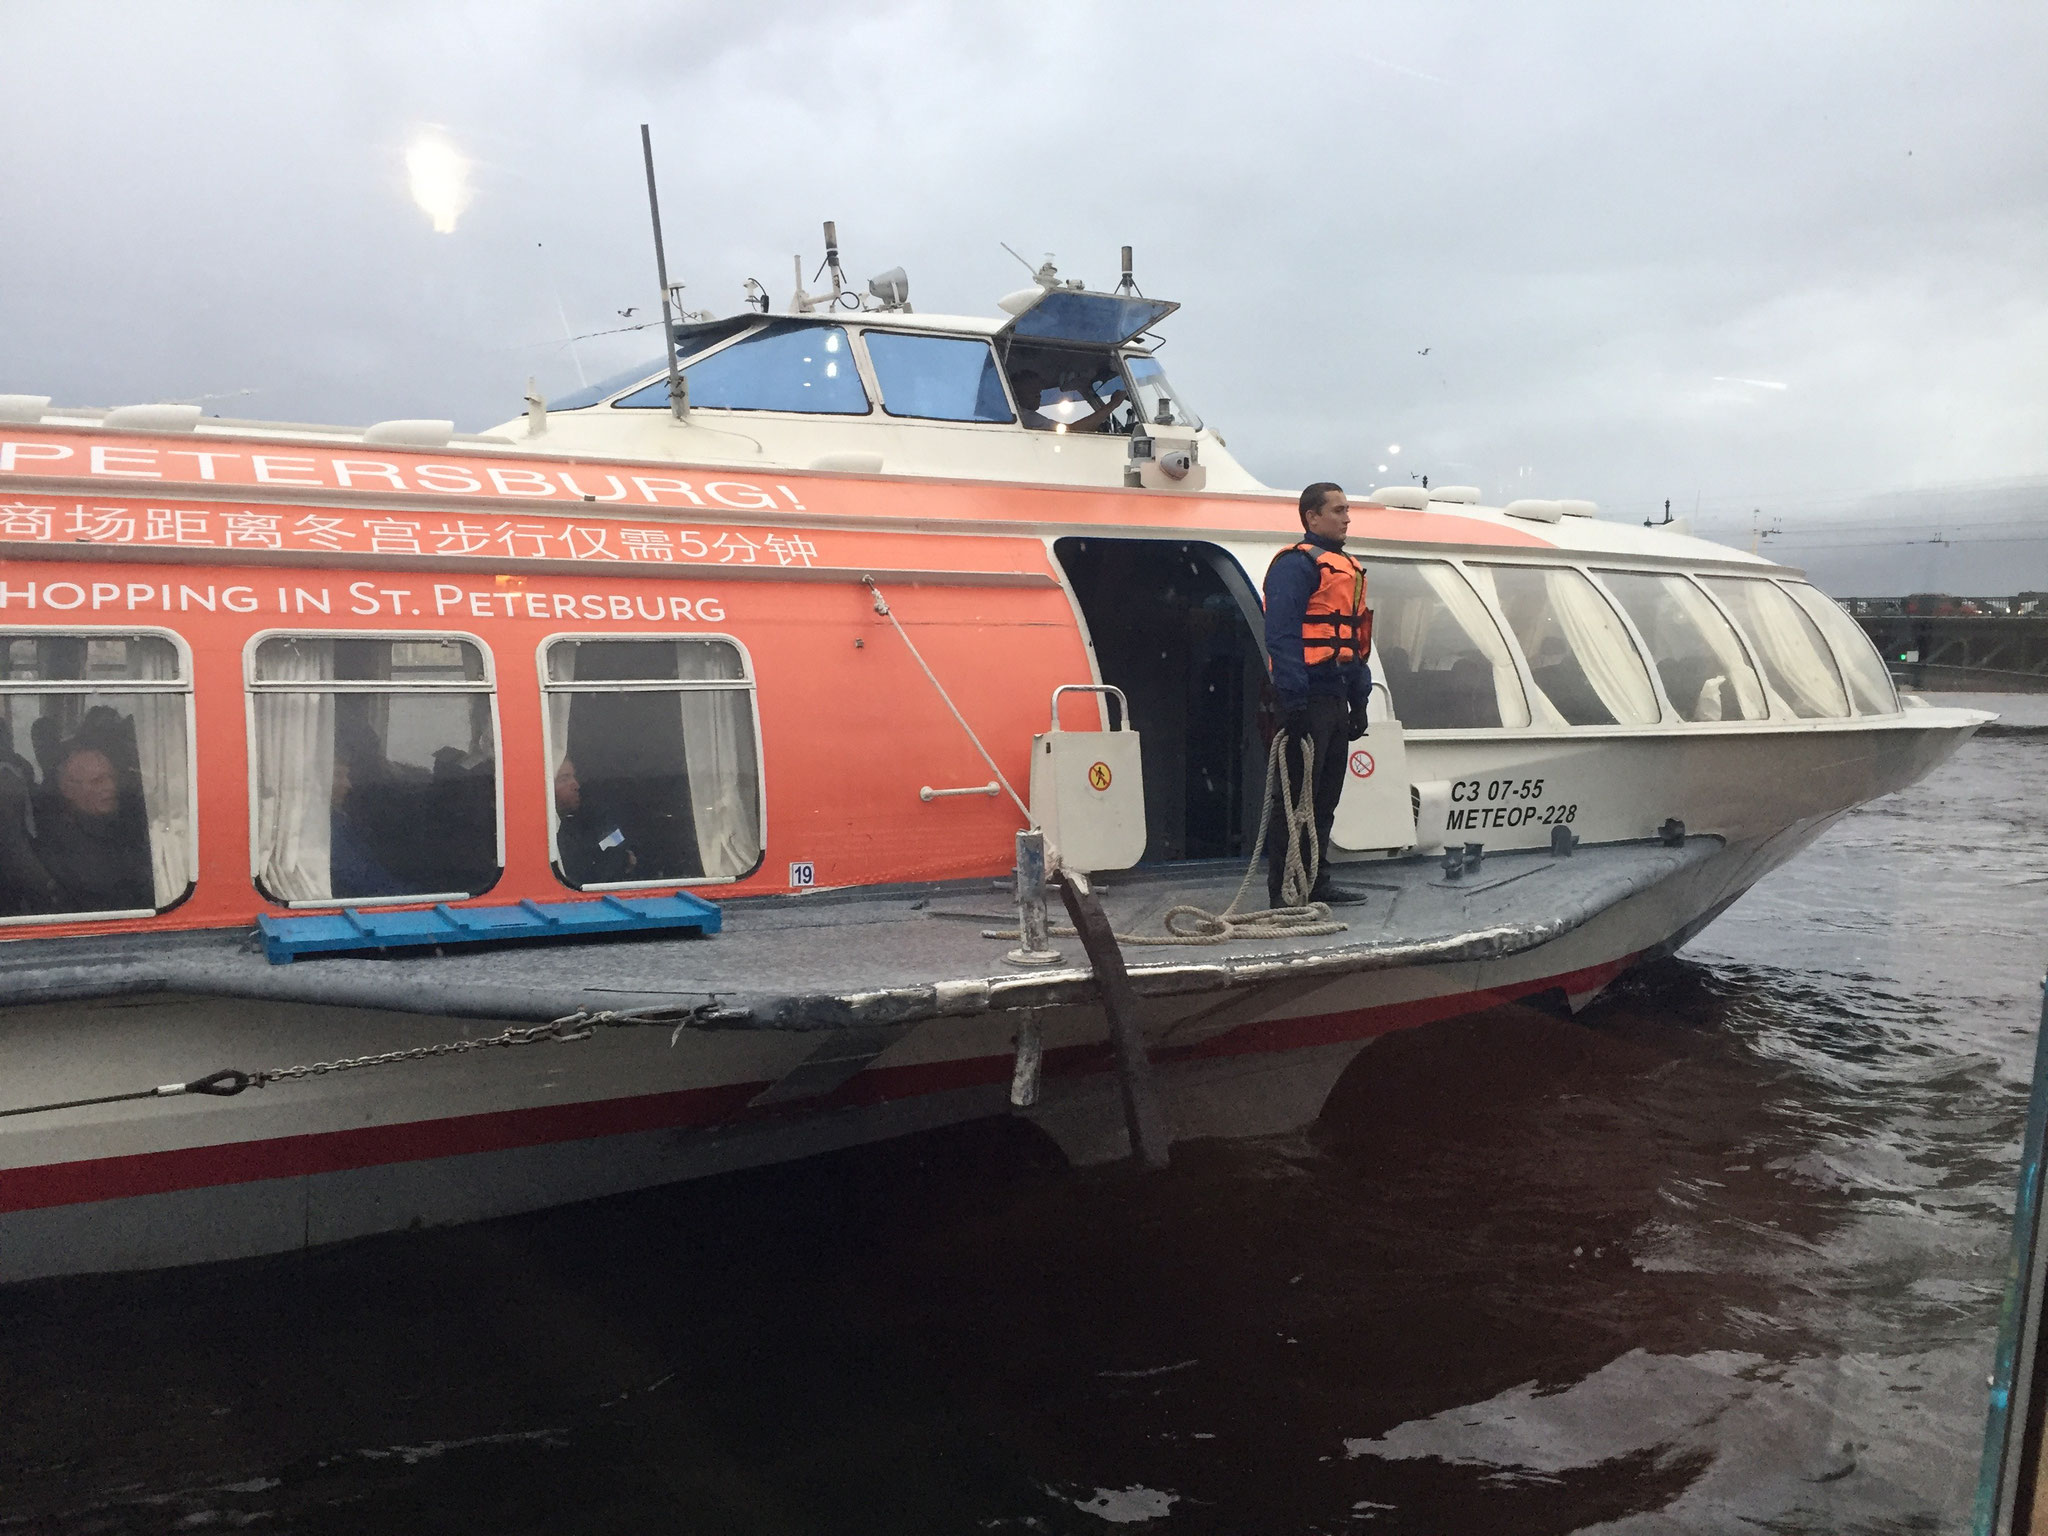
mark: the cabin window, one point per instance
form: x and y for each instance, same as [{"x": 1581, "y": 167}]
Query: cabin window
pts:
[
  {"x": 938, "y": 378},
  {"x": 605, "y": 388},
  {"x": 654, "y": 762},
  {"x": 1795, "y": 658},
  {"x": 375, "y": 764},
  {"x": 1441, "y": 654},
  {"x": 1158, "y": 401},
  {"x": 1068, "y": 389},
  {"x": 1580, "y": 657},
  {"x": 1870, "y": 684},
  {"x": 784, "y": 366},
  {"x": 1697, "y": 656},
  {"x": 95, "y": 775}
]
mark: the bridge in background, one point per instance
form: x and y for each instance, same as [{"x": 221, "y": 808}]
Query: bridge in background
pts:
[{"x": 1938, "y": 641}]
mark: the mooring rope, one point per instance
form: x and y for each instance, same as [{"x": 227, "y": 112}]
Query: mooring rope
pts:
[{"x": 1299, "y": 919}]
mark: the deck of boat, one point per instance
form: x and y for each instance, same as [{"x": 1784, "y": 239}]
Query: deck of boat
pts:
[{"x": 838, "y": 959}]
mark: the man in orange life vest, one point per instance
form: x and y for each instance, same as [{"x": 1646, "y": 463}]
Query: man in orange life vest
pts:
[{"x": 1318, "y": 634}]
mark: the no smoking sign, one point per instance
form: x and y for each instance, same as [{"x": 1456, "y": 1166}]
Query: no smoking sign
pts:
[{"x": 1361, "y": 764}]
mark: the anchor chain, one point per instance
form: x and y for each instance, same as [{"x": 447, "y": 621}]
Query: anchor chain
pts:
[{"x": 566, "y": 1030}]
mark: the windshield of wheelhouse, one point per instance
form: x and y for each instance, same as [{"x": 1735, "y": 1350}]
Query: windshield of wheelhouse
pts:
[
  {"x": 787, "y": 365},
  {"x": 1068, "y": 389},
  {"x": 1158, "y": 401}
]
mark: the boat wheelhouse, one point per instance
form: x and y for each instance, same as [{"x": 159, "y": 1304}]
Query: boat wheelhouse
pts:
[{"x": 793, "y": 645}]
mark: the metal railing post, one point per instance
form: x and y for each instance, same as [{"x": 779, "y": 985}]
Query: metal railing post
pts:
[{"x": 1033, "y": 930}]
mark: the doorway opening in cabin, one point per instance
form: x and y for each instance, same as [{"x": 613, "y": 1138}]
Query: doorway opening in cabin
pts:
[{"x": 1176, "y": 626}]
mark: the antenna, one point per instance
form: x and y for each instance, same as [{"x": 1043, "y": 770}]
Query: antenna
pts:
[
  {"x": 1020, "y": 260},
  {"x": 831, "y": 262},
  {"x": 1128, "y": 283},
  {"x": 678, "y": 386}
]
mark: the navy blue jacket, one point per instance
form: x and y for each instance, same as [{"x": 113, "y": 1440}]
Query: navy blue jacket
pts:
[{"x": 1290, "y": 581}]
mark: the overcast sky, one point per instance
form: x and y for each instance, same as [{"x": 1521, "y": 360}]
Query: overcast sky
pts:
[{"x": 1738, "y": 255}]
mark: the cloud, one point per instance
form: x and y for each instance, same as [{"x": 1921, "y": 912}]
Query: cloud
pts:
[{"x": 1582, "y": 214}]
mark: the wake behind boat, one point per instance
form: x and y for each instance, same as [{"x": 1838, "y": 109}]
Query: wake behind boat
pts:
[{"x": 679, "y": 734}]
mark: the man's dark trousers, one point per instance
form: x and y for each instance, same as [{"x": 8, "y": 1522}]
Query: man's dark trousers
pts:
[{"x": 1329, "y": 727}]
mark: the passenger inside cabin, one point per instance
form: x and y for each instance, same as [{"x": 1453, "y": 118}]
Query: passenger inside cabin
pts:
[
  {"x": 353, "y": 870},
  {"x": 12, "y": 761},
  {"x": 591, "y": 848},
  {"x": 91, "y": 838},
  {"x": 25, "y": 886}
]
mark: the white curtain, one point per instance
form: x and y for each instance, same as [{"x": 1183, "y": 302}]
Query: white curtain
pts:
[
  {"x": 1792, "y": 650},
  {"x": 718, "y": 748},
  {"x": 561, "y": 668},
  {"x": 1595, "y": 633},
  {"x": 1471, "y": 616},
  {"x": 1736, "y": 672},
  {"x": 294, "y": 771},
  {"x": 1868, "y": 680},
  {"x": 1547, "y": 714},
  {"x": 165, "y": 763}
]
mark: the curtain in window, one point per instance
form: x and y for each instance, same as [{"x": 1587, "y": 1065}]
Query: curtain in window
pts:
[
  {"x": 1794, "y": 655},
  {"x": 1594, "y": 632},
  {"x": 1868, "y": 680},
  {"x": 295, "y": 774},
  {"x": 1471, "y": 616},
  {"x": 1736, "y": 672},
  {"x": 1545, "y": 712},
  {"x": 718, "y": 746},
  {"x": 561, "y": 668},
  {"x": 165, "y": 764}
]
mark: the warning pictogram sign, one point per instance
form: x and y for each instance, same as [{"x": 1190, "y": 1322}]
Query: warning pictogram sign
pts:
[
  {"x": 1098, "y": 775},
  {"x": 1361, "y": 764}
]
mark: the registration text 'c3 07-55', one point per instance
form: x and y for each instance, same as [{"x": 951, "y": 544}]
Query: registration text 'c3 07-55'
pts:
[
  {"x": 316, "y": 468},
  {"x": 343, "y": 532}
]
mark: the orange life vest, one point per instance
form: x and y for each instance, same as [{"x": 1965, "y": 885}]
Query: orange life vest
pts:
[{"x": 1338, "y": 626}]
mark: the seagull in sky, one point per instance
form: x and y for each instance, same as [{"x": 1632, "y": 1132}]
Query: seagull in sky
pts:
[
  {"x": 629, "y": 311},
  {"x": 1423, "y": 353}
]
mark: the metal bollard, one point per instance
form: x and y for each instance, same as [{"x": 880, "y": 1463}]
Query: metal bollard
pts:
[
  {"x": 1474, "y": 852},
  {"x": 1454, "y": 863},
  {"x": 1035, "y": 940}
]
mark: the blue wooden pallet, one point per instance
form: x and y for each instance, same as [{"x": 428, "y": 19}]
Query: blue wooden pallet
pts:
[{"x": 355, "y": 929}]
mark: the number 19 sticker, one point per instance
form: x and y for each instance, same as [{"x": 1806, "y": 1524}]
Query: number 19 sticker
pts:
[{"x": 1098, "y": 775}]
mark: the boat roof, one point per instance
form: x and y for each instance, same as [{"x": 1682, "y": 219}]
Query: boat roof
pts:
[
  {"x": 805, "y": 466},
  {"x": 72, "y": 453}
]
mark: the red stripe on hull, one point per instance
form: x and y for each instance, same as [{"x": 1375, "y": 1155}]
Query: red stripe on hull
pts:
[{"x": 155, "y": 1173}]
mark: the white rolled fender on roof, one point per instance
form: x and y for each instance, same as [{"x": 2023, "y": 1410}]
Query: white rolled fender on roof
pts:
[
  {"x": 153, "y": 418},
  {"x": 1409, "y": 498},
  {"x": 23, "y": 408},
  {"x": 410, "y": 434},
  {"x": 1534, "y": 509}
]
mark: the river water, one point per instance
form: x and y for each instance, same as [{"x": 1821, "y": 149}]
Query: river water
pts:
[{"x": 1722, "y": 1254}]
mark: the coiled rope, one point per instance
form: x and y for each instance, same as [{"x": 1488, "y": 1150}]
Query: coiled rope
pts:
[{"x": 1300, "y": 919}]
